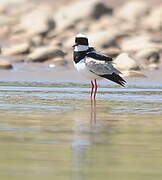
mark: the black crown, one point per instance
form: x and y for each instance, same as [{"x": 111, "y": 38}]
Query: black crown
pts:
[{"x": 81, "y": 41}]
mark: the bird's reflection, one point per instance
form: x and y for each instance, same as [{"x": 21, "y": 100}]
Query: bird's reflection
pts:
[
  {"x": 93, "y": 112},
  {"x": 84, "y": 134}
]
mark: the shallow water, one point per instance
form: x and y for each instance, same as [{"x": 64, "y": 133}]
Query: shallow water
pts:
[{"x": 53, "y": 131}]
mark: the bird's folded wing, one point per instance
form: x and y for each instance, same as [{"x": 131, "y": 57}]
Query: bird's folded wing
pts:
[
  {"x": 101, "y": 67},
  {"x": 99, "y": 56}
]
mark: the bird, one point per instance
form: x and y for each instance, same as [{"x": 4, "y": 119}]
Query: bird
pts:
[{"x": 93, "y": 64}]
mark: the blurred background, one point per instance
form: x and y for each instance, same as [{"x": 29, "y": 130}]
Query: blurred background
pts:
[
  {"x": 49, "y": 128},
  {"x": 40, "y": 34}
]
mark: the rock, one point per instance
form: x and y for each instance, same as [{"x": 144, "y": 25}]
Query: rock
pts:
[
  {"x": 125, "y": 62},
  {"x": 154, "y": 20},
  {"x": 67, "y": 16},
  {"x": 4, "y": 64},
  {"x": 38, "y": 21},
  {"x": 136, "y": 43},
  {"x": 149, "y": 55},
  {"x": 16, "y": 49},
  {"x": 133, "y": 10},
  {"x": 45, "y": 53}
]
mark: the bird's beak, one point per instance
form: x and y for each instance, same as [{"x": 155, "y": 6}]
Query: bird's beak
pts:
[{"x": 74, "y": 45}]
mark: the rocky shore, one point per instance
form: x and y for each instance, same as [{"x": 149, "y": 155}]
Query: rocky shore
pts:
[{"x": 33, "y": 32}]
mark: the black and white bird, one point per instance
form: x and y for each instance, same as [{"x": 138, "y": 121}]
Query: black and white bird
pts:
[{"x": 94, "y": 65}]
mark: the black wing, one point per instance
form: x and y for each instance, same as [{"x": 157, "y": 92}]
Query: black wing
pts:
[
  {"x": 115, "y": 78},
  {"x": 99, "y": 56}
]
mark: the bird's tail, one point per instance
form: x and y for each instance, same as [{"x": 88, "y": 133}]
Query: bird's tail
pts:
[{"x": 115, "y": 78}]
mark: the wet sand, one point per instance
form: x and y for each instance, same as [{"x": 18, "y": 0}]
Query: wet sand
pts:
[{"x": 42, "y": 73}]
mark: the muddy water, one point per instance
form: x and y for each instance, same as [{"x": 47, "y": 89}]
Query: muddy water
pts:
[{"x": 53, "y": 131}]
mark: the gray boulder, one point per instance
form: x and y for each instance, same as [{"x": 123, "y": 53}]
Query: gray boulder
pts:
[{"x": 45, "y": 53}]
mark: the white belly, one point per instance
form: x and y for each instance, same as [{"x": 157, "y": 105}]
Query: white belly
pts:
[{"x": 81, "y": 67}]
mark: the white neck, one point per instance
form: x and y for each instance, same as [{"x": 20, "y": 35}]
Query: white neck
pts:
[{"x": 81, "y": 48}]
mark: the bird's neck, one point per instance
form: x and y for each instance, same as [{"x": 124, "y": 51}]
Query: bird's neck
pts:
[{"x": 79, "y": 55}]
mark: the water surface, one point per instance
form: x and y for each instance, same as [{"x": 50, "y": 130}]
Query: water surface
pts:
[{"x": 53, "y": 131}]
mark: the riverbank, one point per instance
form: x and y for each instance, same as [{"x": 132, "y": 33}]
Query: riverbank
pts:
[{"x": 42, "y": 73}]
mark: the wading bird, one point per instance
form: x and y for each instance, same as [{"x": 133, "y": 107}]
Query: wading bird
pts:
[{"x": 94, "y": 65}]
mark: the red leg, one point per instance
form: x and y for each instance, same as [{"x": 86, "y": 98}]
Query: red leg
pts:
[
  {"x": 95, "y": 91},
  {"x": 92, "y": 87}
]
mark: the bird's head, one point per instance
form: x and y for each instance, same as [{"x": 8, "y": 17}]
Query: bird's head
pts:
[{"x": 81, "y": 43}]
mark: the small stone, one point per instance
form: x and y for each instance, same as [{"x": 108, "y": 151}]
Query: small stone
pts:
[
  {"x": 51, "y": 66},
  {"x": 4, "y": 64}
]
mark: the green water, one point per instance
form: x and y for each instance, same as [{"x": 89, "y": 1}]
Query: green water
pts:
[{"x": 52, "y": 131}]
